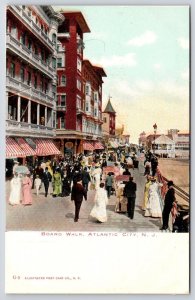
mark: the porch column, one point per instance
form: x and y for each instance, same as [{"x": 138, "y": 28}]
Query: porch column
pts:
[
  {"x": 29, "y": 111},
  {"x": 62, "y": 146},
  {"x": 52, "y": 112},
  {"x": 7, "y": 103},
  {"x": 19, "y": 109},
  {"x": 45, "y": 115},
  {"x": 75, "y": 148},
  {"x": 38, "y": 114}
]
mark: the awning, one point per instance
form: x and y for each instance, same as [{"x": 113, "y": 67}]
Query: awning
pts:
[
  {"x": 98, "y": 146},
  {"x": 46, "y": 147},
  {"x": 13, "y": 150},
  {"x": 25, "y": 147},
  {"x": 87, "y": 146}
]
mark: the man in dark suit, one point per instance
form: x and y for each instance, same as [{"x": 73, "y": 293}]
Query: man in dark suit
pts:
[
  {"x": 130, "y": 192},
  {"x": 169, "y": 199},
  {"x": 46, "y": 178},
  {"x": 85, "y": 179},
  {"x": 77, "y": 194}
]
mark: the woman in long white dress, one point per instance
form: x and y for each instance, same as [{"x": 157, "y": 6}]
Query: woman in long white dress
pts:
[
  {"x": 101, "y": 200},
  {"x": 96, "y": 175},
  {"x": 153, "y": 206},
  {"x": 15, "y": 194}
]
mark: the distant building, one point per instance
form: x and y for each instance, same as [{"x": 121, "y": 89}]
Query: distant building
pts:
[
  {"x": 175, "y": 143},
  {"x": 109, "y": 116},
  {"x": 121, "y": 137}
]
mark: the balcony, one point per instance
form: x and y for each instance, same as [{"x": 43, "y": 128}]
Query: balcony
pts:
[
  {"x": 27, "y": 90},
  {"x": 80, "y": 111},
  {"x": 27, "y": 20},
  {"x": 60, "y": 108},
  {"x": 63, "y": 35},
  {"x": 27, "y": 129},
  {"x": 26, "y": 54}
]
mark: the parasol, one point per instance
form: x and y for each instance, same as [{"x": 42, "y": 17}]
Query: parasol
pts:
[{"x": 21, "y": 170}]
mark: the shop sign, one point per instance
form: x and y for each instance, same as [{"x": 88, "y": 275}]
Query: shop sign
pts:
[{"x": 69, "y": 145}]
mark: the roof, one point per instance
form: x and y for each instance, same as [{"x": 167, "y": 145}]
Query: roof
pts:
[
  {"x": 79, "y": 18},
  {"x": 98, "y": 70},
  {"x": 163, "y": 139},
  {"x": 109, "y": 108}
]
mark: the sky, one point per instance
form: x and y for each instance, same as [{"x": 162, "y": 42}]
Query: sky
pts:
[{"x": 144, "y": 51}]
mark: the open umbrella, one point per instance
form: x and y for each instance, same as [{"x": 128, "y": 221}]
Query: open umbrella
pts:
[{"x": 21, "y": 170}]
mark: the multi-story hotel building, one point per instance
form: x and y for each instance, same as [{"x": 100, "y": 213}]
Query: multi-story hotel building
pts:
[
  {"x": 79, "y": 91},
  {"x": 31, "y": 80}
]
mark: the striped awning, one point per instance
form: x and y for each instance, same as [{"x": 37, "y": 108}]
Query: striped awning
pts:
[
  {"x": 13, "y": 150},
  {"x": 87, "y": 146},
  {"x": 98, "y": 146},
  {"x": 46, "y": 147},
  {"x": 26, "y": 147}
]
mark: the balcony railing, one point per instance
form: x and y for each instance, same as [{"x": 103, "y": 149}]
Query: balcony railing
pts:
[
  {"x": 30, "y": 22},
  {"x": 27, "y": 128},
  {"x": 63, "y": 34},
  {"x": 23, "y": 88},
  {"x": 61, "y": 108},
  {"x": 29, "y": 56},
  {"x": 80, "y": 110}
]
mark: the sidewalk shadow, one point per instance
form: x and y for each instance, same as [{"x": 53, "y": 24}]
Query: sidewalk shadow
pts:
[
  {"x": 156, "y": 222},
  {"x": 110, "y": 207},
  {"x": 69, "y": 216}
]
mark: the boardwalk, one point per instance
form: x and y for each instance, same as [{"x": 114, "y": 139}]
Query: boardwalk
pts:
[{"x": 57, "y": 214}]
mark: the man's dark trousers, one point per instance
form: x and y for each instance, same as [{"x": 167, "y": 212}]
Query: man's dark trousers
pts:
[{"x": 131, "y": 207}]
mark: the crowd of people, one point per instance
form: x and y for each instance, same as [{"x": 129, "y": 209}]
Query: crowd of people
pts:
[{"x": 74, "y": 177}]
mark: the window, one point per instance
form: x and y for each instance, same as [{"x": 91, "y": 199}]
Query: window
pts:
[
  {"x": 35, "y": 81},
  {"x": 62, "y": 122},
  {"x": 87, "y": 90},
  {"x": 63, "y": 80},
  {"x": 14, "y": 30},
  {"x": 54, "y": 62},
  {"x": 95, "y": 112},
  {"x": 36, "y": 50},
  {"x": 42, "y": 84},
  {"x": 78, "y": 102},
  {"x": 29, "y": 78},
  {"x": 54, "y": 120},
  {"x": 79, "y": 64},
  {"x": 12, "y": 70},
  {"x": 46, "y": 87},
  {"x": 23, "y": 38},
  {"x": 54, "y": 91},
  {"x": 54, "y": 39},
  {"x": 22, "y": 74},
  {"x": 87, "y": 106},
  {"x": 105, "y": 120},
  {"x": 29, "y": 44},
  {"x": 59, "y": 62},
  {"x": 78, "y": 84},
  {"x": 63, "y": 100},
  {"x": 42, "y": 55},
  {"x": 95, "y": 97}
]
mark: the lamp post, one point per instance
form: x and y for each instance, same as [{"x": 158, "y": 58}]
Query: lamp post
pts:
[{"x": 155, "y": 130}]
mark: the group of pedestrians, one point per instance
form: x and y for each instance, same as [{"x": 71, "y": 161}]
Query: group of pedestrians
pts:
[
  {"x": 76, "y": 177},
  {"x": 21, "y": 190}
]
